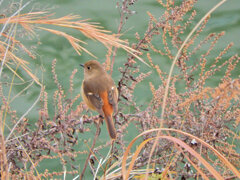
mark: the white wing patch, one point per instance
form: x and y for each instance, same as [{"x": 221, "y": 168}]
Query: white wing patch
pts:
[{"x": 90, "y": 93}]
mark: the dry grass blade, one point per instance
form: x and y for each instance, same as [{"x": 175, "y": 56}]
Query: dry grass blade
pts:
[
  {"x": 72, "y": 40},
  {"x": 88, "y": 29},
  {"x": 177, "y": 141},
  {"x": 140, "y": 147},
  {"x": 195, "y": 154},
  {"x": 3, "y": 162},
  {"x": 126, "y": 173},
  {"x": 10, "y": 55}
]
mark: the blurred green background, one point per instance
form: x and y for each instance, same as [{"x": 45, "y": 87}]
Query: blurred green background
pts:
[{"x": 226, "y": 18}]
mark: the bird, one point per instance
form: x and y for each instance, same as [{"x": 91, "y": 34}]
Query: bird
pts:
[{"x": 100, "y": 93}]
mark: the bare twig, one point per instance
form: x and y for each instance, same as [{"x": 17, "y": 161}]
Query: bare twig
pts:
[
  {"x": 24, "y": 115},
  {"x": 14, "y": 14},
  {"x": 124, "y": 4},
  {"x": 91, "y": 150},
  {"x": 3, "y": 162}
]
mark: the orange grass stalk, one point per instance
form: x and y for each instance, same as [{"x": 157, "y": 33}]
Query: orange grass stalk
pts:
[{"x": 126, "y": 173}]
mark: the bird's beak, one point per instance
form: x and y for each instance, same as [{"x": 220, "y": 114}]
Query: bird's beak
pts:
[{"x": 82, "y": 65}]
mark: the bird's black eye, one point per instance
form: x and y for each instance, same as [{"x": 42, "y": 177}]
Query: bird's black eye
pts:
[{"x": 89, "y": 67}]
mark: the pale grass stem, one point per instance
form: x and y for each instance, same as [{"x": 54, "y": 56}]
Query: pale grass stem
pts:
[{"x": 170, "y": 75}]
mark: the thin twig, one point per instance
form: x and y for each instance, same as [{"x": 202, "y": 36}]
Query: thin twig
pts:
[
  {"x": 22, "y": 91},
  {"x": 5, "y": 54},
  {"x": 14, "y": 127},
  {"x": 101, "y": 162},
  {"x": 109, "y": 158},
  {"x": 127, "y": 65},
  {"x": 14, "y": 14},
  {"x": 91, "y": 150},
  {"x": 124, "y": 4},
  {"x": 4, "y": 162},
  {"x": 9, "y": 40}
]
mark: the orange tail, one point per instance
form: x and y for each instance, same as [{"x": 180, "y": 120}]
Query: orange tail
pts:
[
  {"x": 108, "y": 111},
  {"x": 110, "y": 127}
]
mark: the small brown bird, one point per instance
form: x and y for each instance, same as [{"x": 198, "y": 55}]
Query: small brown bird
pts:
[{"x": 100, "y": 93}]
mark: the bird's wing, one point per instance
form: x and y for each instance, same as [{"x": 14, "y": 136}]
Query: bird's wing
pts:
[
  {"x": 94, "y": 100},
  {"x": 113, "y": 98}
]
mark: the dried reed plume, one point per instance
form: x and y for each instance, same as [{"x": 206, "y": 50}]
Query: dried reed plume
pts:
[{"x": 32, "y": 21}]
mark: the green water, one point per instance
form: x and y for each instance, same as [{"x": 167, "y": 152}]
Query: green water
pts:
[{"x": 226, "y": 18}]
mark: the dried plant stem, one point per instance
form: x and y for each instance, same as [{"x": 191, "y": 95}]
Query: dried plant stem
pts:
[
  {"x": 99, "y": 165},
  {"x": 24, "y": 115},
  {"x": 121, "y": 81},
  {"x": 119, "y": 30},
  {"x": 214, "y": 172},
  {"x": 14, "y": 14},
  {"x": 8, "y": 100},
  {"x": 5, "y": 54},
  {"x": 91, "y": 150},
  {"x": 101, "y": 162},
  {"x": 11, "y": 34},
  {"x": 28, "y": 157},
  {"x": 12, "y": 130},
  {"x": 3, "y": 162},
  {"x": 22, "y": 91},
  {"x": 170, "y": 75}
]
